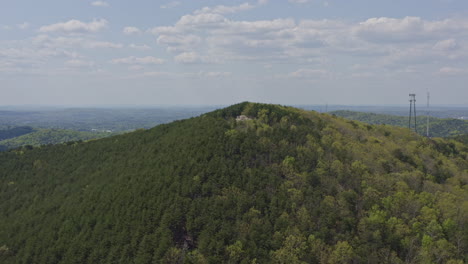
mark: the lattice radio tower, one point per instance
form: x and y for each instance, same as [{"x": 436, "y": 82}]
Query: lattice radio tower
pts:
[
  {"x": 427, "y": 113},
  {"x": 412, "y": 111}
]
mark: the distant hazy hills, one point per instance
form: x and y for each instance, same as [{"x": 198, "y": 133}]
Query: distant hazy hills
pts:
[
  {"x": 37, "y": 137},
  {"x": 438, "y": 127},
  {"x": 85, "y": 124},
  {"x": 42, "y": 126},
  {"x": 282, "y": 186}
]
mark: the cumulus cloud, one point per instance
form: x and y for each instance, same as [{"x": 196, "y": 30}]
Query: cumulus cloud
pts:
[
  {"x": 298, "y": 1},
  {"x": 452, "y": 71},
  {"x": 201, "y": 20},
  {"x": 70, "y": 42},
  {"x": 447, "y": 44},
  {"x": 382, "y": 42},
  {"x": 76, "y": 63},
  {"x": 135, "y": 67},
  {"x": 309, "y": 73},
  {"x": 187, "y": 58},
  {"x": 193, "y": 75},
  {"x": 23, "y": 25},
  {"x": 102, "y": 44},
  {"x": 29, "y": 59},
  {"x": 214, "y": 74},
  {"x": 131, "y": 30},
  {"x": 176, "y": 43},
  {"x": 408, "y": 29},
  {"x": 139, "y": 47},
  {"x": 222, "y": 9},
  {"x": 138, "y": 60},
  {"x": 100, "y": 3},
  {"x": 24, "y": 53},
  {"x": 75, "y": 26}
]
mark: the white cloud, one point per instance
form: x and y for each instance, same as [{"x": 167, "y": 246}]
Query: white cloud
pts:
[
  {"x": 23, "y": 58},
  {"x": 298, "y": 1},
  {"x": 178, "y": 75},
  {"x": 139, "y": 47},
  {"x": 380, "y": 42},
  {"x": 76, "y": 63},
  {"x": 102, "y": 44},
  {"x": 452, "y": 71},
  {"x": 201, "y": 20},
  {"x": 447, "y": 44},
  {"x": 170, "y": 5},
  {"x": 27, "y": 54},
  {"x": 214, "y": 74},
  {"x": 187, "y": 58},
  {"x": 309, "y": 74},
  {"x": 222, "y": 9},
  {"x": 179, "y": 42},
  {"x": 262, "y": 2},
  {"x": 138, "y": 60},
  {"x": 70, "y": 42},
  {"x": 24, "y": 25},
  {"x": 135, "y": 67},
  {"x": 75, "y": 26},
  {"x": 408, "y": 29},
  {"x": 100, "y": 3},
  {"x": 131, "y": 30},
  {"x": 157, "y": 74}
]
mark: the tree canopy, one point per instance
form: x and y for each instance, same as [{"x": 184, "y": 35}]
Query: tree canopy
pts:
[{"x": 283, "y": 186}]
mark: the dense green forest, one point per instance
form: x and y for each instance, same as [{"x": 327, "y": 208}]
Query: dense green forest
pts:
[
  {"x": 39, "y": 137},
  {"x": 439, "y": 127},
  {"x": 462, "y": 138},
  {"x": 42, "y": 126},
  {"x": 284, "y": 186},
  {"x": 12, "y": 132},
  {"x": 438, "y": 111}
]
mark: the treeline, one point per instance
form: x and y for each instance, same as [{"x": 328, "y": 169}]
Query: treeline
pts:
[
  {"x": 40, "y": 137},
  {"x": 438, "y": 127},
  {"x": 285, "y": 186},
  {"x": 12, "y": 132}
]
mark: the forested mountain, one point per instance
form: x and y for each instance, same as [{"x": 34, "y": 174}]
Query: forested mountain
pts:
[
  {"x": 281, "y": 185},
  {"x": 439, "y": 127},
  {"x": 37, "y": 137},
  {"x": 462, "y": 138}
]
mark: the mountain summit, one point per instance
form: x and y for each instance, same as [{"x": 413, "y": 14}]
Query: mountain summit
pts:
[{"x": 251, "y": 183}]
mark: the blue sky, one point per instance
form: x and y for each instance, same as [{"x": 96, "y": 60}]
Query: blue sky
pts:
[{"x": 146, "y": 52}]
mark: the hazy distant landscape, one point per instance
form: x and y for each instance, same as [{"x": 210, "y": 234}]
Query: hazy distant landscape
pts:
[
  {"x": 96, "y": 119},
  {"x": 51, "y": 125},
  {"x": 237, "y": 132},
  {"x": 37, "y": 126}
]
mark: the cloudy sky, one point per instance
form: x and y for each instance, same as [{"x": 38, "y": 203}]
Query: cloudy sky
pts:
[{"x": 148, "y": 52}]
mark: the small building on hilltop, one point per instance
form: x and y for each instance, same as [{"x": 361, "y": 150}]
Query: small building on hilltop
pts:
[{"x": 243, "y": 118}]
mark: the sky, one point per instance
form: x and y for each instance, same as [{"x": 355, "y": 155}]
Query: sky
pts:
[{"x": 194, "y": 52}]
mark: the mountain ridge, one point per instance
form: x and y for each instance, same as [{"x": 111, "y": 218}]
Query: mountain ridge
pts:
[
  {"x": 439, "y": 127},
  {"x": 286, "y": 186}
]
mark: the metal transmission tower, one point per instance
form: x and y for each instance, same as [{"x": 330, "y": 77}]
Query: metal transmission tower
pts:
[
  {"x": 427, "y": 114},
  {"x": 412, "y": 111}
]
